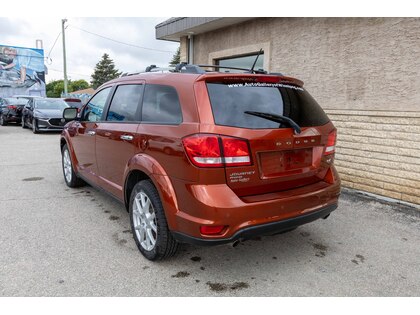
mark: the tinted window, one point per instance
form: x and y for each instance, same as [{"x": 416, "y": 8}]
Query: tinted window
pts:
[
  {"x": 15, "y": 101},
  {"x": 125, "y": 103},
  {"x": 161, "y": 105},
  {"x": 95, "y": 107},
  {"x": 230, "y": 101}
]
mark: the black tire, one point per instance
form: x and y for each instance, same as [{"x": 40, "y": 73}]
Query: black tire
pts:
[
  {"x": 23, "y": 123},
  {"x": 74, "y": 180},
  {"x": 34, "y": 126},
  {"x": 166, "y": 246},
  {"x": 3, "y": 122}
]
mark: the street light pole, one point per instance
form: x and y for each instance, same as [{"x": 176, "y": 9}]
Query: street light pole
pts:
[{"x": 64, "y": 54}]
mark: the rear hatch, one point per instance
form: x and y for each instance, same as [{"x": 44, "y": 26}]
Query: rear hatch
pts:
[
  {"x": 281, "y": 157},
  {"x": 15, "y": 106}
]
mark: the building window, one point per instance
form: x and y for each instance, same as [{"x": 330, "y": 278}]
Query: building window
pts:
[{"x": 241, "y": 62}]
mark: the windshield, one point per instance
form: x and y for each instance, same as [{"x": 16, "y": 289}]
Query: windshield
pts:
[
  {"x": 15, "y": 101},
  {"x": 229, "y": 103},
  {"x": 50, "y": 104}
]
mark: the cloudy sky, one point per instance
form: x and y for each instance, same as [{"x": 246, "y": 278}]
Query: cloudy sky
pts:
[
  {"x": 84, "y": 50},
  {"x": 42, "y": 20}
]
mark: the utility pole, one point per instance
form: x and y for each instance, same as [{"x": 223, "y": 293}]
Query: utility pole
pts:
[{"x": 64, "y": 54}]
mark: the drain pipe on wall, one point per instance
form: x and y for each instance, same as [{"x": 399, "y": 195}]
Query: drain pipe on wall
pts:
[{"x": 191, "y": 48}]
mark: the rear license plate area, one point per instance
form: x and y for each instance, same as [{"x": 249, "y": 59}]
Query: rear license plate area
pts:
[{"x": 277, "y": 163}]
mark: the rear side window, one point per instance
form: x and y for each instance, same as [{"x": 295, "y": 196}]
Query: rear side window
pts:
[
  {"x": 161, "y": 105},
  {"x": 230, "y": 101},
  {"x": 125, "y": 103}
]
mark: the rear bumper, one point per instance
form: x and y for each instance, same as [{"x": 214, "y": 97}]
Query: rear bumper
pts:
[
  {"x": 218, "y": 205},
  {"x": 263, "y": 229},
  {"x": 13, "y": 117}
]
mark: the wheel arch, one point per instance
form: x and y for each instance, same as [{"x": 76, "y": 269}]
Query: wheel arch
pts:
[
  {"x": 144, "y": 167},
  {"x": 64, "y": 141}
]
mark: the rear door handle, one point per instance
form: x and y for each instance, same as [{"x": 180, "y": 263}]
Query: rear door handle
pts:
[
  {"x": 126, "y": 137},
  {"x": 91, "y": 133}
]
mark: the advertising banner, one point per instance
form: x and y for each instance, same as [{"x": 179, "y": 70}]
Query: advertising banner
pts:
[{"x": 22, "y": 71}]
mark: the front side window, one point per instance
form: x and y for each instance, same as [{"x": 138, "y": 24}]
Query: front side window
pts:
[
  {"x": 125, "y": 103},
  {"x": 95, "y": 107},
  {"x": 161, "y": 105}
]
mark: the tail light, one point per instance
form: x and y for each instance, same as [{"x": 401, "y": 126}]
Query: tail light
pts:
[
  {"x": 330, "y": 146},
  {"x": 235, "y": 151},
  {"x": 206, "y": 150},
  {"x": 328, "y": 157},
  {"x": 12, "y": 107},
  {"x": 203, "y": 150}
]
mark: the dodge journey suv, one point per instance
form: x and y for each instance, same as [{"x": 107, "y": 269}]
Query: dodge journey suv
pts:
[{"x": 203, "y": 157}]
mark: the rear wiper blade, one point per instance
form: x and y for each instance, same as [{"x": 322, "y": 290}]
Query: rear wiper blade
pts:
[{"x": 276, "y": 118}]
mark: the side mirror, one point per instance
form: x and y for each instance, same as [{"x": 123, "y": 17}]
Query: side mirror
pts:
[{"x": 70, "y": 114}]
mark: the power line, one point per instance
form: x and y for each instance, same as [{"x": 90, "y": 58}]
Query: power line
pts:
[
  {"x": 84, "y": 75},
  {"x": 48, "y": 56},
  {"x": 120, "y": 42}
]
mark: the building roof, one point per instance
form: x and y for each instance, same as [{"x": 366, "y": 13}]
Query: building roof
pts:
[
  {"x": 89, "y": 91},
  {"x": 176, "y": 27}
]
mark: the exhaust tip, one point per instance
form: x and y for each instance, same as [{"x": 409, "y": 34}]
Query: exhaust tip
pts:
[{"x": 235, "y": 243}]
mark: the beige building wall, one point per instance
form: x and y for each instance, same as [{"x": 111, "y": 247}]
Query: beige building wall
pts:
[{"x": 364, "y": 71}]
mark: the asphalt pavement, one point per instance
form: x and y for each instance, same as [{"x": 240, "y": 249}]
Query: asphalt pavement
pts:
[{"x": 57, "y": 241}]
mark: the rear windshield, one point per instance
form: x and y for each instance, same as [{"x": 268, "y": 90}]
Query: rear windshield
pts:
[
  {"x": 16, "y": 101},
  {"x": 230, "y": 101},
  {"x": 74, "y": 104}
]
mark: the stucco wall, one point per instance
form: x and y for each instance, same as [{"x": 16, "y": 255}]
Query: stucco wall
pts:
[
  {"x": 352, "y": 63},
  {"x": 364, "y": 71}
]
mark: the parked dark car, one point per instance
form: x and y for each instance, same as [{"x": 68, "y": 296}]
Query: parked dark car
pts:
[
  {"x": 44, "y": 114},
  {"x": 11, "y": 110},
  {"x": 74, "y": 102},
  {"x": 204, "y": 157}
]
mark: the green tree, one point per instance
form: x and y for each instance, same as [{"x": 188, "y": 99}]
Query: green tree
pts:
[
  {"x": 176, "y": 58},
  {"x": 104, "y": 71},
  {"x": 55, "y": 88},
  {"x": 79, "y": 85}
]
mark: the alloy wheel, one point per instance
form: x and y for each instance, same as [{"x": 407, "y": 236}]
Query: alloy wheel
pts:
[
  {"x": 67, "y": 166},
  {"x": 144, "y": 221}
]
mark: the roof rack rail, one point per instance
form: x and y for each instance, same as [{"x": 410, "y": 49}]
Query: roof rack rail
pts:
[
  {"x": 259, "y": 71},
  {"x": 126, "y": 74},
  {"x": 184, "y": 67},
  {"x": 151, "y": 68},
  {"x": 154, "y": 68},
  {"x": 188, "y": 68}
]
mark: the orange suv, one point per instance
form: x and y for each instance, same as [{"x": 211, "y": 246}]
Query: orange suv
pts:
[{"x": 204, "y": 157}]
